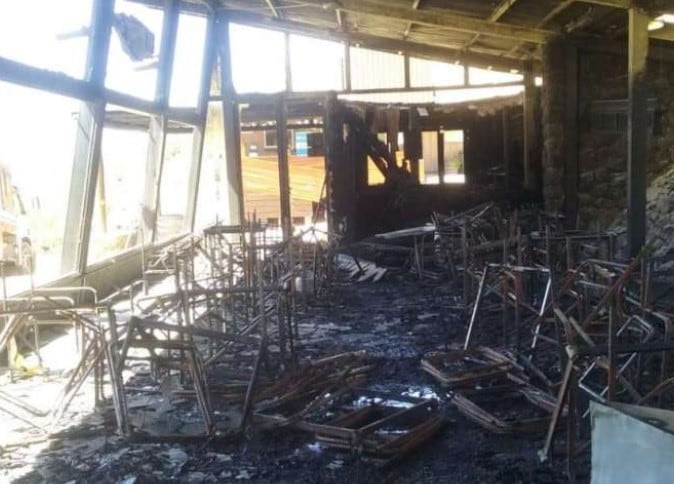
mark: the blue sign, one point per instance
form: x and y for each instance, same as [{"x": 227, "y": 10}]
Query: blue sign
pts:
[{"x": 301, "y": 144}]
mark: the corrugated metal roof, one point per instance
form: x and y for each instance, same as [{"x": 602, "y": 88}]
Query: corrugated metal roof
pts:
[
  {"x": 425, "y": 73},
  {"x": 371, "y": 69}
]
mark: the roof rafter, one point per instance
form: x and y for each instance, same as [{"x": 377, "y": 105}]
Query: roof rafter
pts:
[
  {"x": 496, "y": 14},
  {"x": 436, "y": 52},
  {"x": 274, "y": 9},
  {"x": 501, "y": 10},
  {"x": 623, "y": 4},
  {"x": 445, "y": 19},
  {"x": 551, "y": 14},
  {"x": 610, "y": 3},
  {"x": 415, "y": 6},
  {"x": 390, "y": 44},
  {"x": 340, "y": 19}
]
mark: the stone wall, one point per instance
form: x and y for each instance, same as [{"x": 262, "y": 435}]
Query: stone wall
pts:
[
  {"x": 662, "y": 144},
  {"x": 602, "y": 115},
  {"x": 660, "y": 194},
  {"x": 602, "y": 156}
]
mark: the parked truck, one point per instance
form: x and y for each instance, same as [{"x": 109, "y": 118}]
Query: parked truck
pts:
[{"x": 17, "y": 248}]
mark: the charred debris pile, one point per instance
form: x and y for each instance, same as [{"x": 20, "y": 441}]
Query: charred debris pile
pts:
[{"x": 217, "y": 341}]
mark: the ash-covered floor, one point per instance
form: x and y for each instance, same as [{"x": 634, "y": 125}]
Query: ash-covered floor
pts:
[{"x": 396, "y": 323}]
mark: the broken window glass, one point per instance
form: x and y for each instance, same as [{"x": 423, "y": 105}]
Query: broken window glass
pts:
[{"x": 133, "y": 58}]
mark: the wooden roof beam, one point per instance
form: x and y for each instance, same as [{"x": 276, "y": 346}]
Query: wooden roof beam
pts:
[
  {"x": 274, "y": 10},
  {"x": 501, "y": 9},
  {"x": 437, "y": 53},
  {"x": 445, "y": 19},
  {"x": 496, "y": 14},
  {"x": 610, "y": 3},
  {"x": 340, "y": 19},
  {"x": 551, "y": 14},
  {"x": 408, "y": 29}
]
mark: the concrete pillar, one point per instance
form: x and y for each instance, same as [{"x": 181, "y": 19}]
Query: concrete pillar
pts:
[{"x": 637, "y": 130}]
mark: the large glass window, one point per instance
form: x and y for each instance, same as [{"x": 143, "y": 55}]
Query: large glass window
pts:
[
  {"x": 189, "y": 57},
  {"x": 316, "y": 65},
  {"x": 34, "y": 180},
  {"x": 120, "y": 184},
  {"x": 373, "y": 69},
  {"x": 258, "y": 59},
  {"x": 213, "y": 199},
  {"x": 426, "y": 73},
  {"x": 134, "y": 49},
  {"x": 174, "y": 186},
  {"x": 46, "y": 34}
]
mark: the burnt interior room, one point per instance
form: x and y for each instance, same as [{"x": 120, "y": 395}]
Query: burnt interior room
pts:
[{"x": 357, "y": 241}]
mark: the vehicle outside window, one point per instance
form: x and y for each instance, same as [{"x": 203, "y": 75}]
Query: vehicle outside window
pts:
[{"x": 17, "y": 247}]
